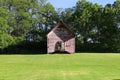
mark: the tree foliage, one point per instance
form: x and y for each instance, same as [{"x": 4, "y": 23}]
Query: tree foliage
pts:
[
  {"x": 5, "y": 38},
  {"x": 97, "y": 27}
]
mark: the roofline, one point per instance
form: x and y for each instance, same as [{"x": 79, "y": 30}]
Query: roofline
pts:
[{"x": 61, "y": 23}]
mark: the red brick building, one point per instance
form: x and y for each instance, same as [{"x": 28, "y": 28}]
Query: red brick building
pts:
[{"x": 60, "y": 39}]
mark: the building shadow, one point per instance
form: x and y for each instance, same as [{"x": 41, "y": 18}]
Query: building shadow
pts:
[{"x": 60, "y": 52}]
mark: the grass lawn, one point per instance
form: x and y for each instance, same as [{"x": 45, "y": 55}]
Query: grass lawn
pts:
[{"x": 85, "y": 66}]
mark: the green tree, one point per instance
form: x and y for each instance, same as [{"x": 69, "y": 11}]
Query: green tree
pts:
[
  {"x": 109, "y": 30},
  {"x": 46, "y": 18},
  {"x": 116, "y": 6},
  {"x": 66, "y": 16},
  {"x": 96, "y": 24},
  {"x": 5, "y": 38},
  {"x": 84, "y": 17},
  {"x": 20, "y": 17}
]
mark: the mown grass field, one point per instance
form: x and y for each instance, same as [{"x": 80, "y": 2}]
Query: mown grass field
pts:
[{"x": 85, "y": 66}]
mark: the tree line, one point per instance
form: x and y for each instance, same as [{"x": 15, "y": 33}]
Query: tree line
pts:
[{"x": 25, "y": 23}]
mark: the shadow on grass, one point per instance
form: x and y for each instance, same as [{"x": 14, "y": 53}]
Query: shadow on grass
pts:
[
  {"x": 23, "y": 52},
  {"x": 26, "y": 48},
  {"x": 58, "y": 52}
]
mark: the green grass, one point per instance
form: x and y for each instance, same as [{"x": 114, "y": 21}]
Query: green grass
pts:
[{"x": 60, "y": 67}]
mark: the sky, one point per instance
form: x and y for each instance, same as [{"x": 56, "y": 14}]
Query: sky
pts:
[{"x": 70, "y": 3}]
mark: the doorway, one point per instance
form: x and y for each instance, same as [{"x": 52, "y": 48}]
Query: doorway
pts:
[{"x": 59, "y": 46}]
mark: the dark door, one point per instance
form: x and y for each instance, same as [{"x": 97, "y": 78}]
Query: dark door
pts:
[{"x": 59, "y": 47}]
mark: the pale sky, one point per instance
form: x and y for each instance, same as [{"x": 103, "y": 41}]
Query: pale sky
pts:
[{"x": 71, "y": 3}]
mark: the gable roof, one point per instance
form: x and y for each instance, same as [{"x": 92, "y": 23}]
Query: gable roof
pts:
[{"x": 63, "y": 25}]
